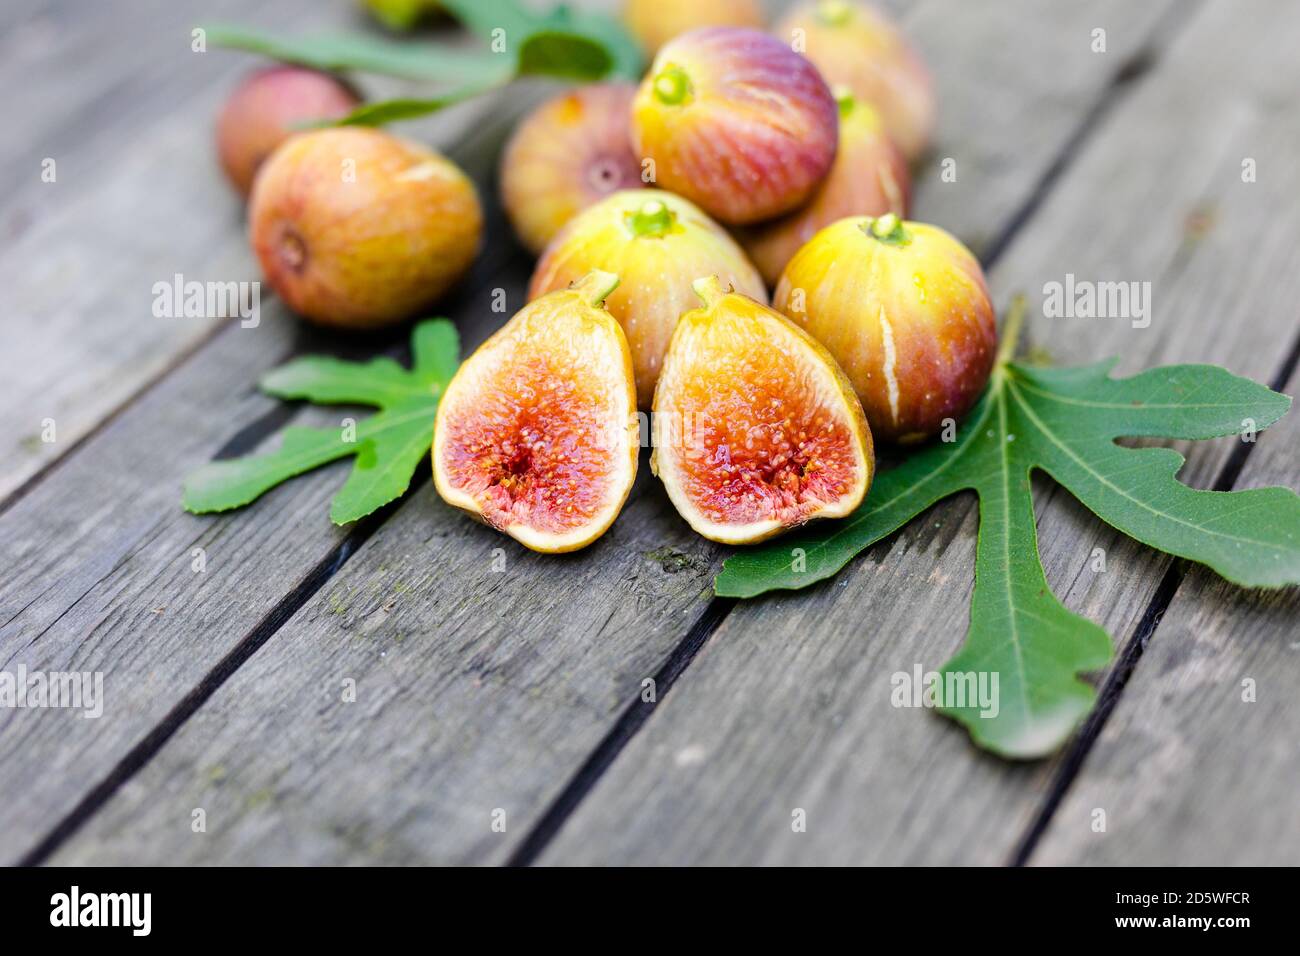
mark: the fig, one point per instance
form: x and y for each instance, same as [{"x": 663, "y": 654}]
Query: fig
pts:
[
  {"x": 268, "y": 107},
  {"x": 869, "y": 178},
  {"x": 658, "y": 244},
  {"x": 904, "y": 308},
  {"x": 402, "y": 15},
  {"x": 756, "y": 428},
  {"x": 537, "y": 433},
  {"x": 358, "y": 229},
  {"x": 735, "y": 121},
  {"x": 860, "y": 47},
  {"x": 571, "y": 152},
  {"x": 655, "y": 22}
]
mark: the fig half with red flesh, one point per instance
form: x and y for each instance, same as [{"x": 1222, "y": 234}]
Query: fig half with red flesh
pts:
[
  {"x": 756, "y": 428},
  {"x": 537, "y": 433}
]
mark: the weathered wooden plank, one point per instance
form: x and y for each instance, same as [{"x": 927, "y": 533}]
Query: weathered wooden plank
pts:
[
  {"x": 788, "y": 705},
  {"x": 476, "y": 691},
  {"x": 98, "y": 554},
  {"x": 1189, "y": 770},
  {"x": 126, "y": 110}
]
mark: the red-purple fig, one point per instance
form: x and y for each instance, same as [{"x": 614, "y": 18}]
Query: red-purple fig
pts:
[
  {"x": 869, "y": 178},
  {"x": 571, "y": 152},
  {"x": 737, "y": 122},
  {"x": 267, "y": 108}
]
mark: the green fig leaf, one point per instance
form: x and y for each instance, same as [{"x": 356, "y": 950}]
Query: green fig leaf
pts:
[
  {"x": 1064, "y": 422},
  {"x": 366, "y": 54},
  {"x": 387, "y": 447},
  {"x": 561, "y": 44}
]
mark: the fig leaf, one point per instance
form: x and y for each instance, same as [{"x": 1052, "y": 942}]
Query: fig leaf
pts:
[
  {"x": 387, "y": 446},
  {"x": 576, "y": 46},
  {"x": 1064, "y": 422}
]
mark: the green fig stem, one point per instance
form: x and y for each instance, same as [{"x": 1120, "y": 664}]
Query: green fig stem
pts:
[
  {"x": 1011, "y": 329},
  {"x": 710, "y": 290},
  {"x": 653, "y": 220},
  {"x": 595, "y": 286},
  {"x": 843, "y": 99},
  {"x": 888, "y": 229},
  {"x": 834, "y": 13},
  {"x": 672, "y": 86}
]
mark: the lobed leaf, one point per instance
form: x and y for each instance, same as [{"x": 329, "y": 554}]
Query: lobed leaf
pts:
[
  {"x": 386, "y": 449},
  {"x": 1064, "y": 422}
]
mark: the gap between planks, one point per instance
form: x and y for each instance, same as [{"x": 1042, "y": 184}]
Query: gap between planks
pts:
[
  {"x": 1127, "y": 76},
  {"x": 1136, "y": 646}
]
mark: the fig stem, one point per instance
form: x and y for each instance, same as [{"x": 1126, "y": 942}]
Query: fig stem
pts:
[
  {"x": 652, "y": 220},
  {"x": 834, "y": 13},
  {"x": 709, "y": 289},
  {"x": 1011, "y": 329},
  {"x": 595, "y": 286},
  {"x": 672, "y": 86},
  {"x": 843, "y": 99},
  {"x": 888, "y": 229}
]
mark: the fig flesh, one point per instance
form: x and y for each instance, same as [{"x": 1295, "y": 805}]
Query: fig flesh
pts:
[
  {"x": 737, "y": 122},
  {"x": 756, "y": 428},
  {"x": 537, "y": 433},
  {"x": 658, "y": 244},
  {"x": 904, "y": 308},
  {"x": 571, "y": 152}
]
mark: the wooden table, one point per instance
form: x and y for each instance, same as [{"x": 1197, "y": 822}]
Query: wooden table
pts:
[{"x": 515, "y": 697}]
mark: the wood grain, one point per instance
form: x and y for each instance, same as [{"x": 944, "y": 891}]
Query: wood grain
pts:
[
  {"x": 788, "y": 706},
  {"x": 101, "y": 552},
  {"x": 476, "y": 691},
  {"x": 1188, "y": 770}
]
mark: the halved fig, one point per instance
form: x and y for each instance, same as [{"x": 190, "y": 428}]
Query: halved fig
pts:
[
  {"x": 537, "y": 433},
  {"x": 756, "y": 428}
]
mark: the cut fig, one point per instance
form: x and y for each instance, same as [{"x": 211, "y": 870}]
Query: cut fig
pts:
[
  {"x": 756, "y": 428},
  {"x": 537, "y": 433}
]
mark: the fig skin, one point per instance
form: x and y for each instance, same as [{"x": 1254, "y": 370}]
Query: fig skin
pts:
[
  {"x": 905, "y": 310},
  {"x": 737, "y": 122},
  {"x": 655, "y": 22},
  {"x": 402, "y": 15},
  {"x": 756, "y": 429},
  {"x": 869, "y": 178},
  {"x": 267, "y": 108},
  {"x": 537, "y": 433},
  {"x": 573, "y": 151},
  {"x": 856, "y": 45},
  {"x": 658, "y": 244},
  {"x": 358, "y": 229}
]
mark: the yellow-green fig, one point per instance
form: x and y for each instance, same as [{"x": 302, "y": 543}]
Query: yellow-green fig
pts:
[
  {"x": 658, "y": 244},
  {"x": 655, "y": 22},
  {"x": 905, "y": 310}
]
